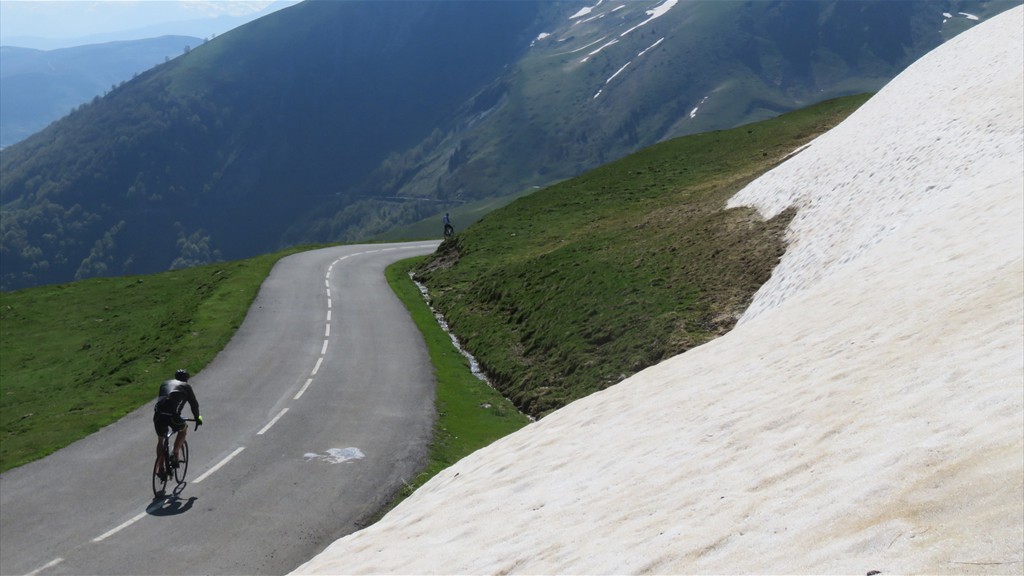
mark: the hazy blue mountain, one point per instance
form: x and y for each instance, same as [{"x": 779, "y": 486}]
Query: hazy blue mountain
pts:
[
  {"x": 40, "y": 86},
  {"x": 170, "y": 19},
  {"x": 331, "y": 121}
]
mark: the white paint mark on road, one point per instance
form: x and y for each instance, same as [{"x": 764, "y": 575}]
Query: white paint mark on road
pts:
[
  {"x": 272, "y": 422},
  {"x": 219, "y": 465},
  {"x": 126, "y": 524},
  {"x": 328, "y": 315},
  {"x": 316, "y": 368},
  {"x": 327, "y": 331},
  {"x": 323, "y": 350},
  {"x": 336, "y": 455},
  {"x": 328, "y": 300},
  {"x": 46, "y": 566},
  {"x": 303, "y": 389}
]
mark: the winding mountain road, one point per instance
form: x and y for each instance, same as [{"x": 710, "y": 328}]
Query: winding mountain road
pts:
[{"x": 316, "y": 412}]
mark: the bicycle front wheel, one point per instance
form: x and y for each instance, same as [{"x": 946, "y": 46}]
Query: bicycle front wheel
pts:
[{"x": 179, "y": 472}]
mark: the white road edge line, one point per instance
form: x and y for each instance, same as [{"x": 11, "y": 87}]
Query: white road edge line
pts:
[
  {"x": 128, "y": 523},
  {"x": 303, "y": 389},
  {"x": 219, "y": 465},
  {"x": 46, "y": 566},
  {"x": 317, "y": 367},
  {"x": 272, "y": 422}
]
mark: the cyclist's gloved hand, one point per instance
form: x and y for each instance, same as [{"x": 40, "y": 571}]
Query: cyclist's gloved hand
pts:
[{"x": 199, "y": 421}]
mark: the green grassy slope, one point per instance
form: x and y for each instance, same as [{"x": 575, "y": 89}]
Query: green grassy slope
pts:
[
  {"x": 76, "y": 357},
  {"x": 471, "y": 414},
  {"x": 571, "y": 289}
]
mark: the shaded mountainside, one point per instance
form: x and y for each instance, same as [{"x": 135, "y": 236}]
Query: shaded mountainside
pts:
[{"x": 332, "y": 121}]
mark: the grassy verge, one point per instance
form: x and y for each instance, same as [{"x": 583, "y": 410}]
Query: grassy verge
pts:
[
  {"x": 77, "y": 357},
  {"x": 470, "y": 414}
]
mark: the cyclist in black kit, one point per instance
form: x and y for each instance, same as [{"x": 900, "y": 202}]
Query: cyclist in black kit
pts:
[
  {"x": 167, "y": 413},
  {"x": 448, "y": 228}
]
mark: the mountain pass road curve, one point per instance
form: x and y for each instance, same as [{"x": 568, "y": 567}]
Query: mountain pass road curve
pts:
[{"x": 319, "y": 408}]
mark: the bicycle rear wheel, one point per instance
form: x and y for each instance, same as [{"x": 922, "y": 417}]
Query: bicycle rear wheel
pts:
[
  {"x": 158, "y": 484},
  {"x": 179, "y": 472}
]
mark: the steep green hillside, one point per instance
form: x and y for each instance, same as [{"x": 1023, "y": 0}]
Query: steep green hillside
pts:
[{"x": 571, "y": 289}]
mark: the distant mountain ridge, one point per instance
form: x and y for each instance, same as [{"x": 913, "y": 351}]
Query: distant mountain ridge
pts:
[
  {"x": 40, "y": 86},
  {"x": 333, "y": 121},
  {"x": 172, "y": 19}
]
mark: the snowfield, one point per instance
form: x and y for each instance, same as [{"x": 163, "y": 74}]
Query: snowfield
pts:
[{"x": 866, "y": 414}]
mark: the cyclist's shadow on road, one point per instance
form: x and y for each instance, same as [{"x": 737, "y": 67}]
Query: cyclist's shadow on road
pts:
[{"x": 170, "y": 504}]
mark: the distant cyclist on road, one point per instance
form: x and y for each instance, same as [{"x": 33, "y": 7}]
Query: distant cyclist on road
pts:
[
  {"x": 167, "y": 413},
  {"x": 448, "y": 228}
]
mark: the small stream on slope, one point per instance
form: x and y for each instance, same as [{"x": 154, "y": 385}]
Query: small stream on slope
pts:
[{"x": 474, "y": 366}]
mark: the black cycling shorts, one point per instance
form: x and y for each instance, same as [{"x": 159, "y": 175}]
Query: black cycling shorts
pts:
[{"x": 164, "y": 421}]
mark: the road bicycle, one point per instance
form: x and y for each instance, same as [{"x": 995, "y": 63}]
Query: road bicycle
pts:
[{"x": 171, "y": 469}]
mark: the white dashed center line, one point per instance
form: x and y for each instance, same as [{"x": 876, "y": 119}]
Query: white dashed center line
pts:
[
  {"x": 46, "y": 566},
  {"x": 272, "y": 422},
  {"x": 219, "y": 465}
]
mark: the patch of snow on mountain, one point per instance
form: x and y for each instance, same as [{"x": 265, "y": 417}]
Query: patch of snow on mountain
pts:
[
  {"x": 654, "y": 14},
  {"x": 595, "y": 52},
  {"x": 585, "y": 10},
  {"x": 617, "y": 72},
  {"x": 824, "y": 239},
  {"x": 693, "y": 113},
  {"x": 582, "y": 48},
  {"x": 651, "y": 47},
  {"x": 624, "y": 66}
]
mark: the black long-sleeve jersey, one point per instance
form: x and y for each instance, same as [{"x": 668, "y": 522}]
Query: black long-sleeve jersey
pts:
[{"x": 173, "y": 396}]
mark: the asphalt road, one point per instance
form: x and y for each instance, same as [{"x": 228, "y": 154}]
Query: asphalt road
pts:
[{"x": 316, "y": 412}]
